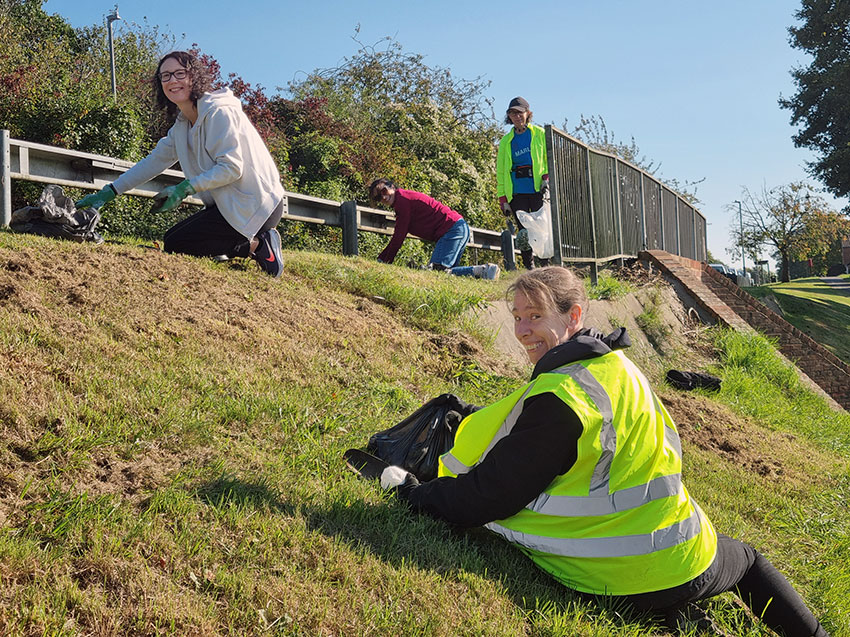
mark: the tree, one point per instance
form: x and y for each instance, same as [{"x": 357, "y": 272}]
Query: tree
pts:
[
  {"x": 55, "y": 82},
  {"x": 821, "y": 105},
  {"x": 594, "y": 132},
  {"x": 789, "y": 219},
  {"x": 384, "y": 112}
]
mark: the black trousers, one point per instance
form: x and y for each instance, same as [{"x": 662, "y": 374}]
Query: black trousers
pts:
[
  {"x": 207, "y": 234},
  {"x": 740, "y": 568},
  {"x": 527, "y": 202}
]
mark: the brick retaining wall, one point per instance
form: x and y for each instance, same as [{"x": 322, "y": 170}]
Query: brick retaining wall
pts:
[{"x": 729, "y": 305}]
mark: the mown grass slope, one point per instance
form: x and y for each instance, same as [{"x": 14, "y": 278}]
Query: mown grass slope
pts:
[
  {"x": 170, "y": 462},
  {"x": 816, "y": 308}
]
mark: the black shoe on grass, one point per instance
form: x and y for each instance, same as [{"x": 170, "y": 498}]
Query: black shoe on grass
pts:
[{"x": 268, "y": 253}]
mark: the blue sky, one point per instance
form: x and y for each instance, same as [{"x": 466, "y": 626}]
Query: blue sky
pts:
[{"x": 695, "y": 83}]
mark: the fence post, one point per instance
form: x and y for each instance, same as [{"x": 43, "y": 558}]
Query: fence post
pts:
[
  {"x": 694, "y": 226},
  {"x": 619, "y": 205},
  {"x": 643, "y": 213},
  {"x": 678, "y": 230},
  {"x": 348, "y": 220},
  {"x": 5, "y": 179},
  {"x": 595, "y": 265},
  {"x": 661, "y": 224},
  {"x": 555, "y": 179}
]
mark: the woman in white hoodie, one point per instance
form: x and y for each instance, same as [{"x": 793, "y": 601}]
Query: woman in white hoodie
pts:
[{"x": 225, "y": 162}]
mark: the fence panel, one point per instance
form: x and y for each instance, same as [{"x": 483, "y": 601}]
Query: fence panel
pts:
[
  {"x": 606, "y": 208},
  {"x": 568, "y": 170},
  {"x": 630, "y": 208},
  {"x": 603, "y": 187},
  {"x": 699, "y": 231},
  {"x": 652, "y": 213},
  {"x": 686, "y": 230},
  {"x": 669, "y": 220}
]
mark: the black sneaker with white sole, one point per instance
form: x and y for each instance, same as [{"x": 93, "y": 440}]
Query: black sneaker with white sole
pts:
[{"x": 268, "y": 253}]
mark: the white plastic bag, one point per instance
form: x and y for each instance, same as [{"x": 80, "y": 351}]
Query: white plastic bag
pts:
[{"x": 539, "y": 226}]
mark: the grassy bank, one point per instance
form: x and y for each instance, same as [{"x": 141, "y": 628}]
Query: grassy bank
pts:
[
  {"x": 171, "y": 456},
  {"x": 816, "y": 308}
]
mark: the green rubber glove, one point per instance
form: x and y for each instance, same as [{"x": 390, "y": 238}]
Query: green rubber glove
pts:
[
  {"x": 169, "y": 198},
  {"x": 96, "y": 200}
]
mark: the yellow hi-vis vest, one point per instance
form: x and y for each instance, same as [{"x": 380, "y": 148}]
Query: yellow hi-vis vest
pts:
[{"x": 620, "y": 521}]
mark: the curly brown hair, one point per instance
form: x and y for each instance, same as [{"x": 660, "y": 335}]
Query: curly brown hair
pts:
[{"x": 201, "y": 81}]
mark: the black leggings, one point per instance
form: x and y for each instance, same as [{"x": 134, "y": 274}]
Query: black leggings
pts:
[
  {"x": 740, "y": 568},
  {"x": 527, "y": 202},
  {"x": 207, "y": 234}
]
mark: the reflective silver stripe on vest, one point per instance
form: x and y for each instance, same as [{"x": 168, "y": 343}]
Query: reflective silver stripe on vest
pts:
[
  {"x": 600, "y": 480},
  {"x": 670, "y": 435},
  {"x": 577, "y": 506},
  {"x": 623, "y": 546},
  {"x": 508, "y": 424},
  {"x": 454, "y": 465},
  {"x": 458, "y": 468}
]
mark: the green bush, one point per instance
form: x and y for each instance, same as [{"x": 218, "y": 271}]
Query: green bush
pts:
[{"x": 108, "y": 129}]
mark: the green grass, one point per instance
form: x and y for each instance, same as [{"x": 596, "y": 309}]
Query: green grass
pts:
[
  {"x": 608, "y": 287},
  {"x": 759, "y": 384},
  {"x": 817, "y": 309},
  {"x": 171, "y": 458},
  {"x": 650, "y": 319}
]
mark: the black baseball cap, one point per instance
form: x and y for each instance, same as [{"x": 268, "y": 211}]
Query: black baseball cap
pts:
[{"x": 518, "y": 104}]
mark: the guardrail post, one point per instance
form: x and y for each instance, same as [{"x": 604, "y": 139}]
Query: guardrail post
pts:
[
  {"x": 5, "y": 179},
  {"x": 348, "y": 220},
  {"x": 508, "y": 247}
]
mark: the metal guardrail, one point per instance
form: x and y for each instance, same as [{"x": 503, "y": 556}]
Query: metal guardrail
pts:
[
  {"x": 605, "y": 209},
  {"x": 41, "y": 163}
]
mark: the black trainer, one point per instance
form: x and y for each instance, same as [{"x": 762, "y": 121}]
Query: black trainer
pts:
[{"x": 268, "y": 253}]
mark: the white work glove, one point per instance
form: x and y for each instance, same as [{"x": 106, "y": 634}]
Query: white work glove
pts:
[{"x": 393, "y": 477}]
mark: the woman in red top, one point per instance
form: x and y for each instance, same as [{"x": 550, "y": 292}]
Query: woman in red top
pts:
[{"x": 425, "y": 217}]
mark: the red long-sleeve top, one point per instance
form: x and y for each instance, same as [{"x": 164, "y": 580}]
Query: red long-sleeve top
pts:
[{"x": 420, "y": 215}]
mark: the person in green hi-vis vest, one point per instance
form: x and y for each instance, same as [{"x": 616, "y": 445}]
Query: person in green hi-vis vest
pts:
[
  {"x": 580, "y": 468},
  {"x": 522, "y": 172}
]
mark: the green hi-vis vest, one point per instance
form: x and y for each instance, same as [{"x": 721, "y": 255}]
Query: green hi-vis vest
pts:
[
  {"x": 620, "y": 521},
  {"x": 504, "y": 161}
]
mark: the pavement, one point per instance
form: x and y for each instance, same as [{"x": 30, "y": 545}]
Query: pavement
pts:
[{"x": 838, "y": 283}]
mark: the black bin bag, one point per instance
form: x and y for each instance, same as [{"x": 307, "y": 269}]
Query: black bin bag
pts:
[
  {"x": 418, "y": 441},
  {"x": 693, "y": 380}
]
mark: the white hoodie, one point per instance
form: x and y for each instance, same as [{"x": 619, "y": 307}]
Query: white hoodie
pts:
[{"x": 224, "y": 158}]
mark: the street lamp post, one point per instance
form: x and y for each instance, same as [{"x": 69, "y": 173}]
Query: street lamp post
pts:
[
  {"x": 741, "y": 218},
  {"x": 112, "y": 17}
]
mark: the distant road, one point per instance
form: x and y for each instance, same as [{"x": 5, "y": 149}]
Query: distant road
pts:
[{"x": 838, "y": 283}]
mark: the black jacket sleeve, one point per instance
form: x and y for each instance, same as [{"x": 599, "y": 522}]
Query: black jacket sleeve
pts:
[{"x": 542, "y": 445}]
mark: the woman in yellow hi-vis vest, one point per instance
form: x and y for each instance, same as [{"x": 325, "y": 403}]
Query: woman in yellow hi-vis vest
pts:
[{"x": 581, "y": 469}]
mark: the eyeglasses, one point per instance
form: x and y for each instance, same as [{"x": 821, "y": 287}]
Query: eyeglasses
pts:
[{"x": 179, "y": 74}]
